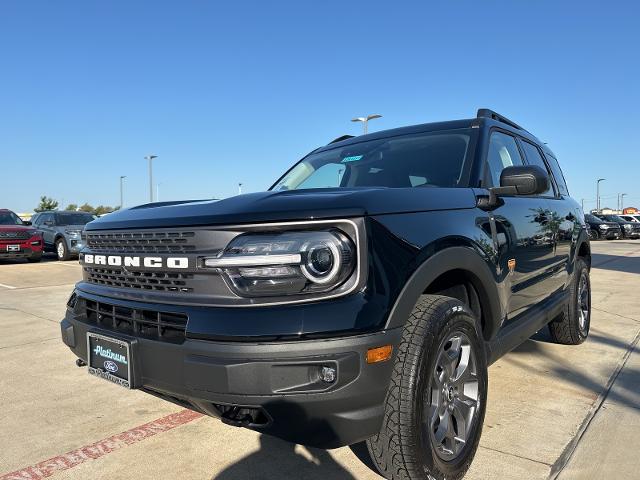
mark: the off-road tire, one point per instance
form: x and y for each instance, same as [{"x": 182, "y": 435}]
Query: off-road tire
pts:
[
  {"x": 403, "y": 449},
  {"x": 566, "y": 328},
  {"x": 62, "y": 251}
]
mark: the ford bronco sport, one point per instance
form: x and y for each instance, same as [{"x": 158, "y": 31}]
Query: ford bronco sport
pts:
[{"x": 361, "y": 298}]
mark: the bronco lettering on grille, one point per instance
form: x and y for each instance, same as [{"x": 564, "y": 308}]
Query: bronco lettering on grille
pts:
[{"x": 126, "y": 261}]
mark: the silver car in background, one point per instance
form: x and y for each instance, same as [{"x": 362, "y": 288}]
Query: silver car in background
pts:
[{"x": 62, "y": 231}]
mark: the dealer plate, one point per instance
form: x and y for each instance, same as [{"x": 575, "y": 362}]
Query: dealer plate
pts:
[
  {"x": 13, "y": 248},
  {"x": 109, "y": 358}
]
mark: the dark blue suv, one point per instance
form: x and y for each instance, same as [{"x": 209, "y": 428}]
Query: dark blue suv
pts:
[{"x": 361, "y": 298}]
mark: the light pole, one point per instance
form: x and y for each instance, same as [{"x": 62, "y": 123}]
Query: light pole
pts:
[
  {"x": 598, "y": 193},
  {"x": 365, "y": 121},
  {"x": 622, "y": 195},
  {"x": 582, "y": 203},
  {"x": 158, "y": 191},
  {"x": 239, "y": 189},
  {"x": 122, "y": 177},
  {"x": 150, "y": 158}
]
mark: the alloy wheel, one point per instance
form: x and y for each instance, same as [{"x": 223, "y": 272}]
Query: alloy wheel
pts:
[
  {"x": 583, "y": 302},
  {"x": 60, "y": 249},
  {"x": 454, "y": 396}
]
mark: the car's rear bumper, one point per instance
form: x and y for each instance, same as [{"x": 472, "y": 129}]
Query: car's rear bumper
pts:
[{"x": 275, "y": 386}]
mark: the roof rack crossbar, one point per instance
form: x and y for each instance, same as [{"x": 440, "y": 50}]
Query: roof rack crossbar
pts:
[
  {"x": 487, "y": 113},
  {"x": 339, "y": 139}
]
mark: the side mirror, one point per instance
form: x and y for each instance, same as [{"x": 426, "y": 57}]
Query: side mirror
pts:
[
  {"x": 527, "y": 180},
  {"x": 521, "y": 180}
]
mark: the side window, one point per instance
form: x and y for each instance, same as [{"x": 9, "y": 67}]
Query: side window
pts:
[
  {"x": 35, "y": 219},
  {"x": 45, "y": 217},
  {"x": 534, "y": 158},
  {"x": 503, "y": 152},
  {"x": 557, "y": 174}
]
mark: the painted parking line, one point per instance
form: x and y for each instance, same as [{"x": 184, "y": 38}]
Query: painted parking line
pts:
[
  {"x": 2, "y": 285},
  {"x": 101, "y": 448}
]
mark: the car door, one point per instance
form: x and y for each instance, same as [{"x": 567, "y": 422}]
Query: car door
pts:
[
  {"x": 525, "y": 245},
  {"x": 561, "y": 219},
  {"x": 47, "y": 228}
]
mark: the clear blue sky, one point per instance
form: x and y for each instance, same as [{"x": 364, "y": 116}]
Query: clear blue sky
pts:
[{"x": 228, "y": 92}]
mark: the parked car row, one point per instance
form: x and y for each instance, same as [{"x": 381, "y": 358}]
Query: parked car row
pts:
[
  {"x": 50, "y": 231},
  {"x": 612, "y": 227}
]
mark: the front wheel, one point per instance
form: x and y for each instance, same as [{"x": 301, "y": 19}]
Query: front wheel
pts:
[
  {"x": 594, "y": 235},
  {"x": 436, "y": 401},
  {"x": 571, "y": 327},
  {"x": 61, "y": 250}
]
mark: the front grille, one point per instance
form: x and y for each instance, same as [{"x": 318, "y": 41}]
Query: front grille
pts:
[
  {"x": 169, "y": 327},
  {"x": 141, "y": 242},
  {"x": 17, "y": 235},
  {"x": 158, "y": 281}
]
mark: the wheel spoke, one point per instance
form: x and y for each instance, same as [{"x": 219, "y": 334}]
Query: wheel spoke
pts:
[{"x": 441, "y": 433}]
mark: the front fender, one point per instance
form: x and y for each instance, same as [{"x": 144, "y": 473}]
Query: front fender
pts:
[{"x": 453, "y": 258}]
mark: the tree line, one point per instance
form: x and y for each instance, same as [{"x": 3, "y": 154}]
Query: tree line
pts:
[{"x": 47, "y": 203}]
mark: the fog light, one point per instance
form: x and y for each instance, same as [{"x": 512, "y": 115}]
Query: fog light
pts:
[{"x": 328, "y": 374}]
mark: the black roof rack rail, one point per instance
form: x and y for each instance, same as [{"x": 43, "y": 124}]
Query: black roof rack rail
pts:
[
  {"x": 339, "y": 139},
  {"x": 486, "y": 113}
]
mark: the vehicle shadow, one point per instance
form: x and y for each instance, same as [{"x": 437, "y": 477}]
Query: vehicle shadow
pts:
[
  {"x": 626, "y": 392},
  {"x": 616, "y": 263},
  {"x": 277, "y": 459}
]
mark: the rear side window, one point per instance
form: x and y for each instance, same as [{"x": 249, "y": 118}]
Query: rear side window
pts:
[
  {"x": 534, "y": 158},
  {"x": 557, "y": 174},
  {"x": 503, "y": 153}
]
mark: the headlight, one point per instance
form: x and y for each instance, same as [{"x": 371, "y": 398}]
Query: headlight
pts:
[
  {"x": 287, "y": 263},
  {"x": 603, "y": 226},
  {"x": 628, "y": 226},
  {"x": 72, "y": 232}
]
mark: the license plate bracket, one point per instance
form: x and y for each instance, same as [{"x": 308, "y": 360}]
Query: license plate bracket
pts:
[{"x": 110, "y": 359}]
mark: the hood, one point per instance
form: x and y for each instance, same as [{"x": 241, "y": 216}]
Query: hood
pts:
[
  {"x": 15, "y": 228},
  {"x": 70, "y": 227},
  {"x": 288, "y": 206}
]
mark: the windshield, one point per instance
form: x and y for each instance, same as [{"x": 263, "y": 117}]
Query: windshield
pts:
[
  {"x": 592, "y": 219},
  {"x": 9, "y": 218},
  {"x": 613, "y": 218},
  {"x": 63, "y": 219},
  {"x": 434, "y": 159}
]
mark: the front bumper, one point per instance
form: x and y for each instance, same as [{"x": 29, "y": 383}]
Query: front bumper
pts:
[
  {"x": 21, "y": 248},
  {"x": 271, "y": 387},
  {"x": 75, "y": 245},
  {"x": 612, "y": 234}
]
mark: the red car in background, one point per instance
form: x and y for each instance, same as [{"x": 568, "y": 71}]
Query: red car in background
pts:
[{"x": 18, "y": 239}]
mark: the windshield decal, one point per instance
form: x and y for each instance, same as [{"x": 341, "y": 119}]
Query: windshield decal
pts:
[{"x": 353, "y": 158}]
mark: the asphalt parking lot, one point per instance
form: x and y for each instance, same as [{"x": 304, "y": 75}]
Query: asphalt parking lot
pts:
[{"x": 553, "y": 412}]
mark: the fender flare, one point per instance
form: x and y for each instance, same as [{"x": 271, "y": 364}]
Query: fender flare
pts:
[{"x": 453, "y": 258}]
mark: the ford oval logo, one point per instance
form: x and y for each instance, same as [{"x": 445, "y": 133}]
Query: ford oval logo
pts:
[{"x": 111, "y": 366}]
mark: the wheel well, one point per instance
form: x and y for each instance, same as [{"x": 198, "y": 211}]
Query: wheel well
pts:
[
  {"x": 585, "y": 253},
  {"x": 466, "y": 287}
]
